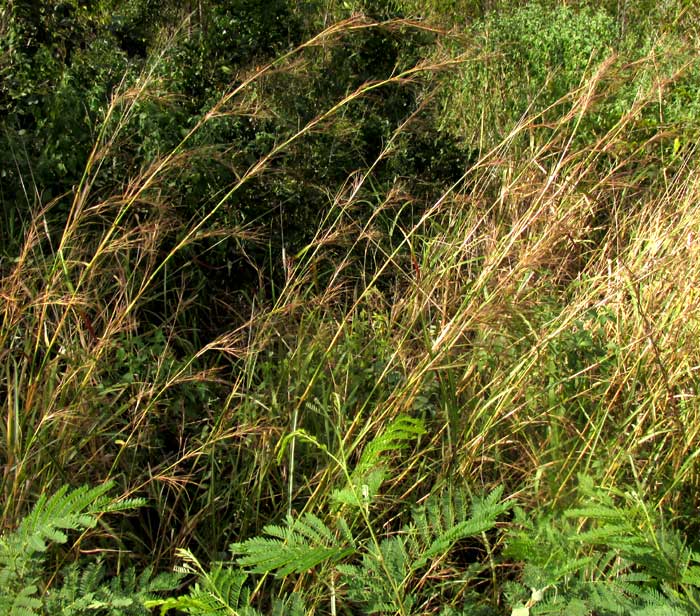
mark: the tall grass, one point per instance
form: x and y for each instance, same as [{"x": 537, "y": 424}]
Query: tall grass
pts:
[{"x": 541, "y": 316}]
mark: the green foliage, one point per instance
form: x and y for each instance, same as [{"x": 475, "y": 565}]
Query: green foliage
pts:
[
  {"x": 58, "y": 68},
  {"x": 84, "y": 589},
  {"x": 221, "y": 591},
  {"x": 371, "y": 470},
  {"x": 548, "y": 50},
  {"x": 217, "y": 592},
  {"x": 611, "y": 553},
  {"x": 374, "y": 575},
  {"x": 538, "y": 54},
  {"x": 388, "y": 578},
  {"x": 60, "y": 101},
  {"x": 87, "y": 589},
  {"x": 233, "y": 262},
  {"x": 302, "y": 544}
]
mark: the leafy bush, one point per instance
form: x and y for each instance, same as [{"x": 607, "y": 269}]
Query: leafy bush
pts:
[{"x": 547, "y": 50}]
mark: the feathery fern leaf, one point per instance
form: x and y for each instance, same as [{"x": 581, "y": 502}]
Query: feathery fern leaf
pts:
[
  {"x": 20, "y": 566},
  {"x": 610, "y": 554},
  {"x": 23, "y": 603},
  {"x": 82, "y": 589},
  {"x": 89, "y": 591},
  {"x": 370, "y": 472},
  {"x": 393, "y": 438},
  {"x": 219, "y": 592},
  {"x": 385, "y": 581},
  {"x": 444, "y": 520},
  {"x": 299, "y": 546},
  {"x": 378, "y": 583},
  {"x": 292, "y": 605}
]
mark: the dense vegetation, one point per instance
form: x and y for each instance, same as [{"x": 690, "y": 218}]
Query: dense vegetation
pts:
[{"x": 388, "y": 307}]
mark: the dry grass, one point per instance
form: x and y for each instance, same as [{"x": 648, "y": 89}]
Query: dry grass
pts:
[{"x": 541, "y": 316}]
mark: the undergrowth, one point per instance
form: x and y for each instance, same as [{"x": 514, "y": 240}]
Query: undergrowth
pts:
[
  {"x": 26, "y": 584},
  {"x": 404, "y": 312}
]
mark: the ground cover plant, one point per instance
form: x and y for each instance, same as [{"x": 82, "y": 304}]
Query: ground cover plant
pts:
[{"x": 354, "y": 307}]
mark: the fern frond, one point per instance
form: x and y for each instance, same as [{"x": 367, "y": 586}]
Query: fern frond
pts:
[
  {"x": 65, "y": 510},
  {"x": 624, "y": 561},
  {"x": 691, "y": 576},
  {"x": 200, "y": 602},
  {"x": 378, "y": 583},
  {"x": 87, "y": 591},
  {"x": 394, "y": 437},
  {"x": 299, "y": 546},
  {"x": 81, "y": 589},
  {"x": 370, "y": 586},
  {"x": 443, "y": 521},
  {"x": 226, "y": 586},
  {"x": 292, "y": 605},
  {"x": 20, "y": 565},
  {"x": 23, "y": 603},
  {"x": 368, "y": 475},
  {"x": 363, "y": 489},
  {"x": 219, "y": 592}
]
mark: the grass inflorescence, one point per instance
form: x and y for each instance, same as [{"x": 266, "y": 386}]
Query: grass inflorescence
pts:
[{"x": 275, "y": 340}]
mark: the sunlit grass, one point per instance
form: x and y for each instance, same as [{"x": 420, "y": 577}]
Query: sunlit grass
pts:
[{"x": 540, "y": 316}]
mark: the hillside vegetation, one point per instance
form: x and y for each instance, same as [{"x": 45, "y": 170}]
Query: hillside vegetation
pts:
[{"x": 359, "y": 307}]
